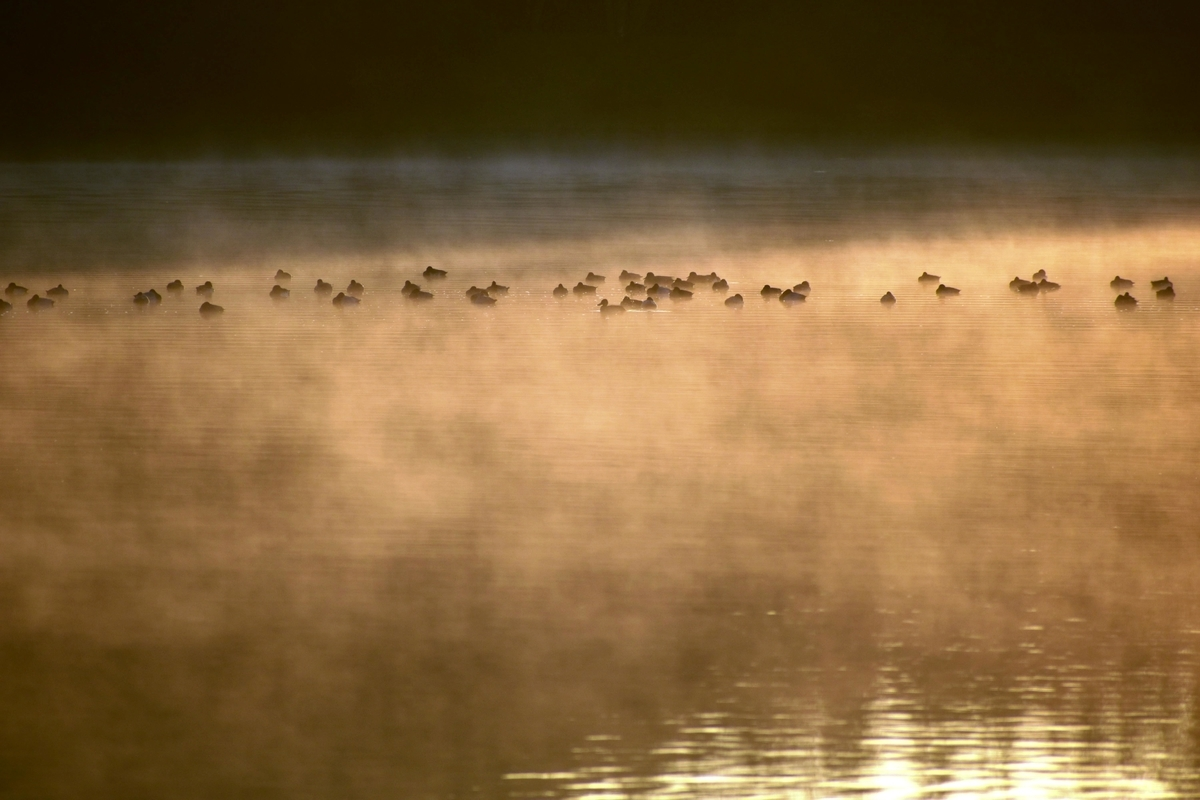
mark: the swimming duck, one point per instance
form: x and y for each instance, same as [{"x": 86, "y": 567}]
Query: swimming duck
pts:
[
  {"x": 419, "y": 296},
  {"x": 648, "y": 304},
  {"x": 680, "y": 294},
  {"x": 630, "y": 304},
  {"x": 679, "y": 283},
  {"x": 1125, "y": 301},
  {"x": 888, "y": 299},
  {"x": 322, "y": 287},
  {"x": 496, "y": 290},
  {"x": 653, "y": 280},
  {"x": 208, "y": 309},
  {"x": 344, "y": 300},
  {"x": 149, "y": 298},
  {"x": 594, "y": 279},
  {"x": 1017, "y": 283},
  {"x": 927, "y": 278},
  {"x": 770, "y": 291},
  {"x": 1029, "y": 289},
  {"x": 802, "y": 288},
  {"x": 280, "y": 275},
  {"x": 707, "y": 280},
  {"x": 15, "y": 291},
  {"x": 474, "y": 290},
  {"x": 582, "y": 288},
  {"x": 355, "y": 288},
  {"x": 735, "y": 302},
  {"x": 279, "y": 293},
  {"x": 5, "y": 307},
  {"x": 561, "y": 291},
  {"x": 658, "y": 290},
  {"x": 791, "y": 298},
  {"x": 1048, "y": 286},
  {"x": 175, "y": 286},
  {"x": 946, "y": 291},
  {"x": 1166, "y": 294},
  {"x": 482, "y": 298},
  {"x": 721, "y": 286},
  {"x": 1040, "y": 275},
  {"x": 57, "y": 291},
  {"x": 626, "y": 276},
  {"x": 433, "y": 274},
  {"x": 1161, "y": 283},
  {"x": 1121, "y": 283},
  {"x": 409, "y": 288},
  {"x": 205, "y": 289},
  {"x": 39, "y": 303},
  {"x": 608, "y": 310},
  {"x": 634, "y": 288}
]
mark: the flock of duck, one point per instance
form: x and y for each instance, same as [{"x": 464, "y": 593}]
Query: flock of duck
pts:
[{"x": 642, "y": 292}]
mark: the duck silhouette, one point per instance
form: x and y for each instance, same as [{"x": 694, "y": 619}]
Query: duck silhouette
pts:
[
  {"x": 607, "y": 309},
  {"x": 791, "y": 298},
  {"x": 280, "y": 275},
  {"x": 1029, "y": 289},
  {"x": 1119, "y": 283},
  {"x": 322, "y": 287},
  {"x": 648, "y": 304},
  {"x": 205, "y": 289},
  {"x": 629, "y": 304},
  {"x": 344, "y": 300},
  {"x": 419, "y": 296},
  {"x": 721, "y": 286},
  {"x": 658, "y": 291},
  {"x": 15, "y": 291},
  {"x": 1161, "y": 283},
  {"x": 888, "y": 299},
  {"x": 482, "y": 298},
  {"x": 946, "y": 291},
  {"x": 149, "y": 298},
  {"x": 582, "y": 288},
  {"x": 634, "y": 288},
  {"x": 279, "y": 293},
  {"x": 679, "y": 283},
  {"x": 594, "y": 279},
  {"x": 39, "y": 303},
  {"x": 474, "y": 290},
  {"x": 1125, "y": 301},
  {"x": 705, "y": 280},
  {"x": 925, "y": 277},
  {"x": 496, "y": 290},
  {"x": 175, "y": 286},
  {"x": 5, "y": 307},
  {"x": 1048, "y": 286},
  {"x": 57, "y": 291},
  {"x": 1016, "y": 283},
  {"x": 679, "y": 294},
  {"x": 654, "y": 280},
  {"x": 561, "y": 291},
  {"x": 735, "y": 302},
  {"x": 770, "y": 291},
  {"x": 355, "y": 288},
  {"x": 627, "y": 276},
  {"x": 431, "y": 274},
  {"x": 802, "y": 288},
  {"x": 208, "y": 309},
  {"x": 1167, "y": 293},
  {"x": 409, "y": 288},
  {"x": 1040, "y": 275}
]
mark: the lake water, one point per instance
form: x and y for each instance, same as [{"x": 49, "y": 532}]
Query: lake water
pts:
[{"x": 948, "y": 549}]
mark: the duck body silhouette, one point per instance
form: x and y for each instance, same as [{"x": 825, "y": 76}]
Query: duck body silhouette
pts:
[
  {"x": 36, "y": 303},
  {"x": 679, "y": 294},
  {"x": 791, "y": 298},
  {"x": 1161, "y": 283},
  {"x": 279, "y": 293},
  {"x": 1119, "y": 283},
  {"x": 946, "y": 291},
  {"x": 496, "y": 290},
  {"x": 1017, "y": 283},
  {"x": 205, "y": 289},
  {"x": 474, "y": 290},
  {"x": 208, "y": 309},
  {"x": 431, "y": 274},
  {"x": 355, "y": 288},
  {"x": 1040, "y": 275},
  {"x": 721, "y": 286},
  {"x": 627, "y": 276},
  {"x": 802, "y": 288},
  {"x": 629, "y": 304},
  {"x": 1167, "y": 293},
  {"x": 634, "y": 287},
  {"x": 344, "y": 300},
  {"x": 561, "y": 291},
  {"x": 735, "y": 302},
  {"x": 1029, "y": 289},
  {"x": 150, "y": 298},
  {"x": 57, "y": 292},
  {"x": 888, "y": 299},
  {"x": 15, "y": 291},
  {"x": 175, "y": 286},
  {"x": 1048, "y": 286},
  {"x": 408, "y": 288},
  {"x": 280, "y": 275},
  {"x": 419, "y": 296},
  {"x": 1125, "y": 302},
  {"x": 925, "y": 277},
  {"x": 770, "y": 291},
  {"x": 322, "y": 287},
  {"x": 582, "y": 288},
  {"x": 679, "y": 283},
  {"x": 482, "y": 298},
  {"x": 594, "y": 279},
  {"x": 658, "y": 291},
  {"x": 608, "y": 310},
  {"x": 5, "y": 307},
  {"x": 654, "y": 280},
  {"x": 703, "y": 280}
]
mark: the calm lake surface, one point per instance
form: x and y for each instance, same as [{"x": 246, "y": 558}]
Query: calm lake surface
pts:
[{"x": 949, "y": 549}]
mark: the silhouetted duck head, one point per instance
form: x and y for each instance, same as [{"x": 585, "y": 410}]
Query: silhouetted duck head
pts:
[
  {"x": 408, "y": 288},
  {"x": 648, "y": 304}
]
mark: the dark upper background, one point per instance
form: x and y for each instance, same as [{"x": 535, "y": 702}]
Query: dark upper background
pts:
[{"x": 233, "y": 78}]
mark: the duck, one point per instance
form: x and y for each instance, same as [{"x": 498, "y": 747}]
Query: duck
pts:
[
  {"x": 770, "y": 291},
  {"x": 175, "y": 286},
  {"x": 679, "y": 283},
  {"x": 582, "y": 288},
  {"x": 707, "y": 280},
  {"x": 802, "y": 288},
  {"x": 594, "y": 279},
  {"x": 279, "y": 293},
  {"x": 1161, "y": 283},
  {"x": 946, "y": 291},
  {"x": 721, "y": 286},
  {"x": 634, "y": 288},
  {"x": 1040, "y": 275},
  {"x": 649, "y": 305},
  {"x": 561, "y": 291},
  {"x": 482, "y": 298},
  {"x": 627, "y": 276},
  {"x": 355, "y": 288},
  {"x": 344, "y": 300},
  {"x": 149, "y": 298},
  {"x": 419, "y": 296},
  {"x": 432, "y": 274},
  {"x": 1029, "y": 289},
  {"x": 205, "y": 289},
  {"x": 1166, "y": 294},
  {"x": 652, "y": 279},
  {"x": 496, "y": 290},
  {"x": 1048, "y": 286},
  {"x": 606, "y": 309},
  {"x": 1121, "y": 283},
  {"x": 791, "y": 298},
  {"x": 322, "y": 287},
  {"x": 141, "y": 299},
  {"x": 5, "y": 307},
  {"x": 57, "y": 291},
  {"x": 925, "y": 277},
  {"x": 1017, "y": 283},
  {"x": 474, "y": 290},
  {"x": 629, "y": 304},
  {"x": 409, "y": 289},
  {"x": 280, "y": 275},
  {"x": 39, "y": 303},
  {"x": 888, "y": 299},
  {"x": 679, "y": 294},
  {"x": 208, "y": 309},
  {"x": 735, "y": 302},
  {"x": 658, "y": 290},
  {"x": 1125, "y": 301},
  {"x": 15, "y": 291}
]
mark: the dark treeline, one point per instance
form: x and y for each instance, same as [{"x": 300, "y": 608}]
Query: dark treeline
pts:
[{"x": 205, "y": 76}]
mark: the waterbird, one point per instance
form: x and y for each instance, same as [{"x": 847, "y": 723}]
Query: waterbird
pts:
[
  {"x": 409, "y": 288},
  {"x": 279, "y": 293},
  {"x": 39, "y": 303},
  {"x": 946, "y": 291},
  {"x": 770, "y": 291},
  {"x": 648, "y": 304},
  {"x": 721, "y": 286},
  {"x": 322, "y": 287},
  {"x": 634, "y": 288},
  {"x": 630, "y": 304},
  {"x": 355, "y": 288},
  {"x": 474, "y": 290},
  {"x": 888, "y": 299},
  {"x": 1125, "y": 301},
  {"x": 57, "y": 291},
  {"x": 149, "y": 298},
  {"x": 652, "y": 279},
  {"x": 626, "y": 275},
  {"x": 658, "y": 290},
  {"x": 708, "y": 279},
  {"x": 679, "y": 283},
  {"x": 582, "y": 288},
  {"x": 1029, "y": 289},
  {"x": 419, "y": 296},
  {"x": 5, "y": 307},
  {"x": 802, "y": 288},
  {"x": 208, "y": 309},
  {"x": 925, "y": 277},
  {"x": 482, "y": 298},
  {"x": 594, "y": 279},
  {"x": 496, "y": 290},
  {"x": 735, "y": 302},
  {"x": 560, "y": 291},
  {"x": 1121, "y": 283},
  {"x": 1016, "y": 283},
  {"x": 175, "y": 286},
  {"x": 606, "y": 309},
  {"x": 433, "y": 274},
  {"x": 280, "y": 275},
  {"x": 679, "y": 294},
  {"x": 791, "y": 298},
  {"x": 1040, "y": 275},
  {"x": 15, "y": 291},
  {"x": 1048, "y": 286},
  {"x": 1167, "y": 293},
  {"x": 344, "y": 300},
  {"x": 1161, "y": 283},
  {"x": 205, "y": 289}
]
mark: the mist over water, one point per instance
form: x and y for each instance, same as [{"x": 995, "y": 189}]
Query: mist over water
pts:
[{"x": 946, "y": 549}]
